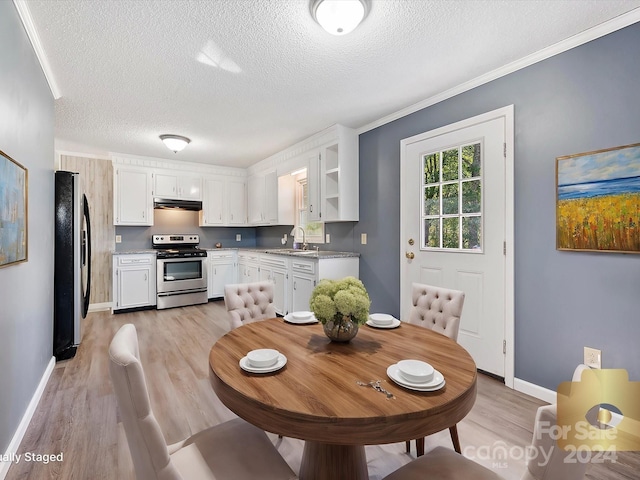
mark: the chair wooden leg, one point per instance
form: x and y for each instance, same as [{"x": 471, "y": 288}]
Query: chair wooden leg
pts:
[
  {"x": 454, "y": 438},
  {"x": 419, "y": 446},
  {"x": 408, "y": 445}
]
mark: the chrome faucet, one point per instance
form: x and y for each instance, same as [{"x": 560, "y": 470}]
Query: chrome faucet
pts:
[{"x": 304, "y": 240}]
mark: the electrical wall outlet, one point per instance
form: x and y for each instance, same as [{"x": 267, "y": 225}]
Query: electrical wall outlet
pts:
[
  {"x": 238, "y": 237},
  {"x": 363, "y": 239},
  {"x": 592, "y": 357},
  {"x": 118, "y": 238},
  {"x": 327, "y": 238}
]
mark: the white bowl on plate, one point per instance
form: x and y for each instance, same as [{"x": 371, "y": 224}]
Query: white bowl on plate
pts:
[
  {"x": 301, "y": 315},
  {"x": 382, "y": 319},
  {"x": 263, "y": 357},
  {"x": 415, "y": 371}
]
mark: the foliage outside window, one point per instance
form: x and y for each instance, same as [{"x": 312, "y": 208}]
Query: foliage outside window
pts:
[
  {"x": 452, "y": 199},
  {"x": 314, "y": 231}
]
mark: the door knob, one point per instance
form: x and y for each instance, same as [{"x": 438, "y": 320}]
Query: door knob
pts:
[{"x": 410, "y": 255}]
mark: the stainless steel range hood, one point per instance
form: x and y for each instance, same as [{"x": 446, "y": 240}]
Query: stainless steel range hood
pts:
[{"x": 169, "y": 203}]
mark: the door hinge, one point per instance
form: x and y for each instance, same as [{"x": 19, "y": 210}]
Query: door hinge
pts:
[
  {"x": 504, "y": 153},
  {"x": 504, "y": 347},
  {"x": 504, "y": 248}
]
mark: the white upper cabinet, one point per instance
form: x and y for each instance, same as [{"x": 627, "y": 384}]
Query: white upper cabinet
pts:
[
  {"x": 213, "y": 211},
  {"x": 339, "y": 177},
  {"x": 223, "y": 202},
  {"x": 132, "y": 200},
  {"x": 270, "y": 199},
  {"x": 169, "y": 184}
]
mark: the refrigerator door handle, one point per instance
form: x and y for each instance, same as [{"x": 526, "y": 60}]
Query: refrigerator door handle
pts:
[{"x": 86, "y": 240}]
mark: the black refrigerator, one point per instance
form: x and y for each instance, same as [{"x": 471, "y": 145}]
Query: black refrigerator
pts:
[{"x": 72, "y": 263}]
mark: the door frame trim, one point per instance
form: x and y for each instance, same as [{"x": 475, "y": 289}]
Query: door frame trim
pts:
[{"x": 509, "y": 307}]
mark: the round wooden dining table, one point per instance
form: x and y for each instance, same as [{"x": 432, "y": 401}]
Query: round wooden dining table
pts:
[{"x": 318, "y": 395}]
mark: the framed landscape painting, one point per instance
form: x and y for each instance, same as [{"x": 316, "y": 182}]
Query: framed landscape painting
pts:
[
  {"x": 598, "y": 200},
  {"x": 13, "y": 211}
]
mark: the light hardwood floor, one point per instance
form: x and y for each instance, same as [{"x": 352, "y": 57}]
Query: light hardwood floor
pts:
[{"x": 78, "y": 416}]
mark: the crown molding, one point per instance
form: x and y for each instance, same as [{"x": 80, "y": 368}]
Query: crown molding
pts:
[
  {"x": 27, "y": 22},
  {"x": 581, "y": 38}
]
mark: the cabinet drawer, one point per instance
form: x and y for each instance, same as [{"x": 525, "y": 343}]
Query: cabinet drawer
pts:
[
  {"x": 303, "y": 267},
  {"x": 249, "y": 257},
  {"x": 273, "y": 261},
  {"x": 132, "y": 260},
  {"x": 220, "y": 256}
]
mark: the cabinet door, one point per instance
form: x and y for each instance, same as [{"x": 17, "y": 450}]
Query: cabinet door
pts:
[
  {"x": 314, "y": 187},
  {"x": 190, "y": 187},
  {"x": 165, "y": 185},
  {"x": 255, "y": 194},
  {"x": 132, "y": 197},
  {"x": 237, "y": 204},
  {"x": 221, "y": 275},
  {"x": 213, "y": 205},
  {"x": 271, "y": 198},
  {"x": 280, "y": 290},
  {"x": 301, "y": 289},
  {"x": 134, "y": 287}
]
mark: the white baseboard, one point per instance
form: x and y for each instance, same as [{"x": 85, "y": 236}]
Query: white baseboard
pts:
[
  {"x": 26, "y": 419},
  {"x": 534, "y": 390},
  {"x": 100, "y": 307}
]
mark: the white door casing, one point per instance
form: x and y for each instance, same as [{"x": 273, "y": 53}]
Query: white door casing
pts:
[{"x": 485, "y": 274}]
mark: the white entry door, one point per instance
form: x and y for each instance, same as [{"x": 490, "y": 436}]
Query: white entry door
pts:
[{"x": 453, "y": 227}]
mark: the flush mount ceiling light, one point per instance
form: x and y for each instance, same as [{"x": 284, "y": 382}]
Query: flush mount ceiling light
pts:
[
  {"x": 175, "y": 143},
  {"x": 339, "y": 17}
]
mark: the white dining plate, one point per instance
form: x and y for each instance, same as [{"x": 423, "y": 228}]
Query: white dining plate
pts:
[
  {"x": 394, "y": 324},
  {"x": 436, "y": 384},
  {"x": 289, "y": 318},
  {"x": 247, "y": 367}
]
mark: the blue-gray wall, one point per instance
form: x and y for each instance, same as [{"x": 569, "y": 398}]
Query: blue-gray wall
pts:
[
  {"x": 26, "y": 289},
  {"x": 581, "y": 100}
]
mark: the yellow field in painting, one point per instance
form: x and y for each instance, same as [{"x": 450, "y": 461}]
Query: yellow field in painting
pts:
[{"x": 601, "y": 223}]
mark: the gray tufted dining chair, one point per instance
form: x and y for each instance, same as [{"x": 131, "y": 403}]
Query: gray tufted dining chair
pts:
[
  {"x": 438, "y": 309},
  {"x": 217, "y": 452},
  {"x": 249, "y": 302}
]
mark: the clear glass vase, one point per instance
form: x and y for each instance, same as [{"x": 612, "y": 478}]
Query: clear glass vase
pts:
[{"x": 341, "y": 330}]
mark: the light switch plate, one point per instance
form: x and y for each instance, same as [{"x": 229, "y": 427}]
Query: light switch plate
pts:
[
  {"x": 363, "y": 238},
  {"x": 238, "y": 237},
  {"x": 327, "y": 238}
]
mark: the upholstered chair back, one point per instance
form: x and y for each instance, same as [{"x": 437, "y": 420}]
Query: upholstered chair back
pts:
[
  {"x": 436, "y": 308},
  {"x": 551, "y": 462},
  {"x": 249, "y": 302},
  {"x": 146, "y": 443}
]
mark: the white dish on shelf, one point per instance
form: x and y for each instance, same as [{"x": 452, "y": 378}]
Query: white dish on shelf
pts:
[
  {"x": 436, "y": 384},
  {"x": 381, "y": 319},
  {"x": 415, "y": 371},
  {"x": 263, "y": 357},
  {"x": 301, "y": 315},
  {"x": 247, "y": 367},
  {"x": 289, "y": 318},
  {"x": 394, "y": 324}
]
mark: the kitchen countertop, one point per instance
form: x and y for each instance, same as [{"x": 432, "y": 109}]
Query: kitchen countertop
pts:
[{"x": 313, "y": 254}]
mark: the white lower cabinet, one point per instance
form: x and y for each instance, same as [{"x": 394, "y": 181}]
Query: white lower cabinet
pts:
[
  {"x": 274, "y": 269},
  {"x": 248, "y": 267},
  {"x": 134, "y": 280},
  {"x": 221, "y": 271}
]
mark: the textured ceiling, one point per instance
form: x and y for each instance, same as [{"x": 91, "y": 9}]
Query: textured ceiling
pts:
[{"x": 245, "y": 79}]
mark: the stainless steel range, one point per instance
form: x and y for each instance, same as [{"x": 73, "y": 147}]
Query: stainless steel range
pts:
[{"x": 181, "y": 272}]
